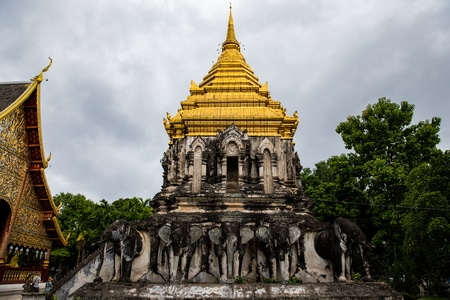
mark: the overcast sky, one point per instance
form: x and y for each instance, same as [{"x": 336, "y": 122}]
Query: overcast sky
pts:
[{"x": 119, "y": 66}]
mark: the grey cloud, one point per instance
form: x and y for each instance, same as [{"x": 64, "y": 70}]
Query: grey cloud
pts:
[{"x": 119, "y": 68}]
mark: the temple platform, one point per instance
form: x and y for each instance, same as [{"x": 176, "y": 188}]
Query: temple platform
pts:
[{"x": 328, "y": 291}]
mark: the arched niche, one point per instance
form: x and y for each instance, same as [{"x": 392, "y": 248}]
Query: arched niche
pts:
[
  {"x": 233, "y": 147},
  {"x": 266, "y": 169},
  {"x": 232, "y": 157},
  {"x": 198, "y": 147},
  {"x": 266, "y": 144}
]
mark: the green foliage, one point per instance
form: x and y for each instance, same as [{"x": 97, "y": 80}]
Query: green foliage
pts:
[
  {"x": 240, "y": 280},
  {"x": 385, "y": 148},
  {"x": 83, "y": 221},
  {"x": 61, "y": 252},
  {"x": 356, "y": 276},
  {"x": 334, "y": 189},
  {"x": 428, "y": 190},
  {"x": 294, "y": 280},
  {"x": 392, "y": 165},
  {"x": 270, "y": 280}
]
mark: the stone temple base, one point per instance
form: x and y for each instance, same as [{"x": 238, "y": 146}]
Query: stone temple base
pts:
[{"x": 329, "y": 291}]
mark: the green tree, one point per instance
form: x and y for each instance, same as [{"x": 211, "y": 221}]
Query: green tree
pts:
[
  {"x": 83, "y": 222},
  {"x": 131, "y": 209},
  {"x": 427, "y": 226},
  {"x": 76, "y": 217},
  {"x": 333, "y": 189},
  {"x": 385, "y": 147}
]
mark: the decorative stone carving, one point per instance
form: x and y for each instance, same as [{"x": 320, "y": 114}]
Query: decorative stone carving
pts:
[
  {"x": 180, "y": 239},
  {"x": 339, "y": 244},
  {"x": 230, "y": 162},
  {"x": 127, "y": 244},
  {"x": 278, "y": 242}
]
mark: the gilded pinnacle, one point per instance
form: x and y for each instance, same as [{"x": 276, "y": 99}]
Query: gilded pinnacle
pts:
[{"x": 230, "y": 41}]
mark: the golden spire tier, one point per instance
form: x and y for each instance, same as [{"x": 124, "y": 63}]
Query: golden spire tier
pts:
[{"x": 230, "y": 94}]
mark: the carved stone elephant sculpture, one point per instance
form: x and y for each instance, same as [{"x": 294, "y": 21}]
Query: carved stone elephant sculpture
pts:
[
  {"x": 127, "y": 243},
  {"x": 277, "y": 241},
  {"x": 339, "y": 245},
  {"x": 229, "y": 240},
  {"x": 179, "y": 238}
]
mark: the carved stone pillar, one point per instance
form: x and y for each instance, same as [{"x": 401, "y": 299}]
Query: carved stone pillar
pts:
[{"x": 197, "y": 170}]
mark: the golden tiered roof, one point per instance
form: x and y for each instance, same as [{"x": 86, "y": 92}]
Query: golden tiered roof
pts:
[{"x": 230, "y": 94}]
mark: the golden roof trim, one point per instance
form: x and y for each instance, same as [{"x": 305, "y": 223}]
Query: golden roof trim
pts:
[{"x": 35, "y": 81}]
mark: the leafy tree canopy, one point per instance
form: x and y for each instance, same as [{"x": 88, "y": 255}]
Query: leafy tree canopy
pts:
[
  {"x": 83, "y": 221},
  {"x": 392, "y": 167}
]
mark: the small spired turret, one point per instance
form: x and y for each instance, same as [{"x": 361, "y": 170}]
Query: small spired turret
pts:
[{"x": 230, "y": 141}]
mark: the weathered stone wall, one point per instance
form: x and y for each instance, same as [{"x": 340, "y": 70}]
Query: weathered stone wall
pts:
[
  {"x": 207, "y": 248},
  {"x": 323, "y": 291},
  {"x": 85, "y": 273},
  {"x": 212, "y": 247}
]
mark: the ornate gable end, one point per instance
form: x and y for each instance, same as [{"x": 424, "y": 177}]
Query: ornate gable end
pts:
[
  {"x": 29, "y": 224},
  {"x": 232, "y": 134},
  {"x": 198, "y": 142},
  {"x": 266, "y": 144}
]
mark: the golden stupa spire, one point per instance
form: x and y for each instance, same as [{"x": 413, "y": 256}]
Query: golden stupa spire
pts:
[
  {"x": 230, "y": 41},
  {"x": 230, "y": 94}
]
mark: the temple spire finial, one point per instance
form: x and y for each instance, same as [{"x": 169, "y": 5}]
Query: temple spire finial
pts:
[{"x": 230, "y": 41}]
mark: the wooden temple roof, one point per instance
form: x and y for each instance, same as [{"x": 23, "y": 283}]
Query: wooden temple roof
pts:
[{"x": 27, "y": 94}]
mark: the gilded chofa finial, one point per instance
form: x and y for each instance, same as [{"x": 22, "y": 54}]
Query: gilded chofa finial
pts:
[
  {"x": 47, "y": 160},
  {"x": 40, "y": 77}
]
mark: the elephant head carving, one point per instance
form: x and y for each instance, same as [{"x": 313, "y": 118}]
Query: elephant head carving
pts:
[
  {"x": 228, "y": 239},
  {"x": 180, "y": 233},
  {"x": 278, "y": 234},
  {"x": 339, "y": 245},
  {"x": 128, "y": 244},
  {"x": 246, "y": 234},
  {"x": 294, "y": 234},
  {"x": 276, "y": 243},
  {"x": 179, "y": 238},
  {"x": 215, "y": 234},
  {"x": 263, "y": 234}
]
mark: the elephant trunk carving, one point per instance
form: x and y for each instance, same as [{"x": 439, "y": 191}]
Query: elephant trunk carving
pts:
[
  {"x": 230, "y": 240},
  {"x": 277, "y": 241},
  {"x": 339, "y": 244},
  {"x": 231, "y": 247},
  {"x": 252, "y": 251},
  {"x": 128, "y": 244},
  {"x": 180, "y": 239}
]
